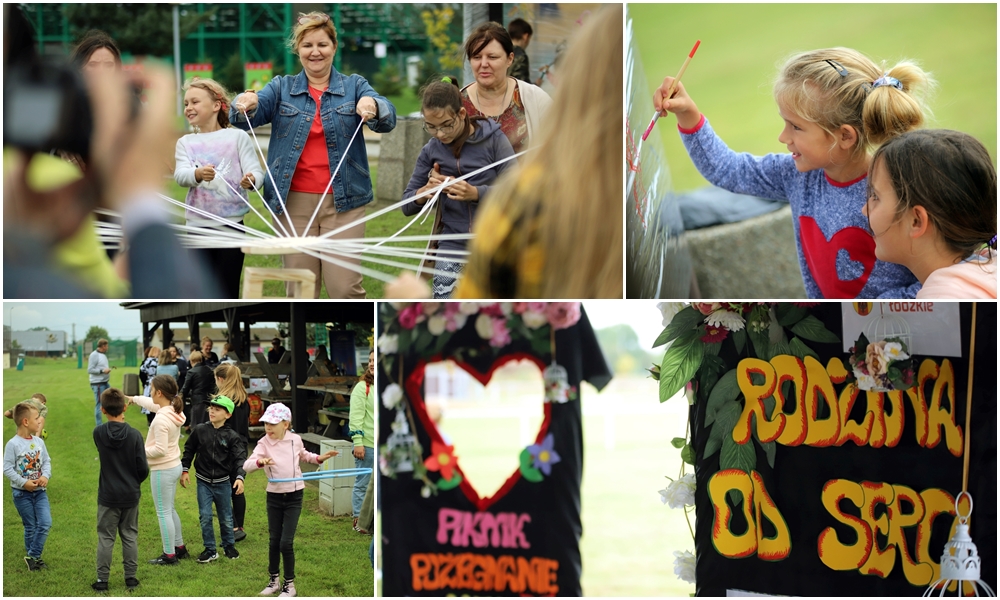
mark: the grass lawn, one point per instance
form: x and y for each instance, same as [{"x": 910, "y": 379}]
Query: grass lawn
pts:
[
  {"x": 628, "y": 536},
  {"x": 385, "y": 226},
  {"x": 331, "y": 559},
  {"x": 743, "y": 45}
]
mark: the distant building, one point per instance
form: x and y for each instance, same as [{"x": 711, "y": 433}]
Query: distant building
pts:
[{"x": 39, "y": 343}]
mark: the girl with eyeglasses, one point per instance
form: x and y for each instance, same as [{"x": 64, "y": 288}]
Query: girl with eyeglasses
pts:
[{"x": 461, "y": 144}]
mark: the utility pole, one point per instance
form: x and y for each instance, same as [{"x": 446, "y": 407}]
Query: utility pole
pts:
[{"x": 74, "y": 334}]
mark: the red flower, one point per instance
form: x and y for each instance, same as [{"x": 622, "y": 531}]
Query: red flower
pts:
[
  {"x": 442, "y": 459},
  {"x": 494, "y": 310},
  {"x": 714, "y": 333},
  {"x": 410, "y": 316}
]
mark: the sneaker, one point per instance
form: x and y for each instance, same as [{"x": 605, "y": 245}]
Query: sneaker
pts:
[
  {"x": 231, "y": 552},
  {"x": 208, "y": 556},
  {"x": 164, "y": 559},
  {"x": 32, "y": 564},
  {"x": 287, "y": 590},
  {"x": 181, "y": 552},
  {"x": 239, "y": 534},
  {"x": 41, "y": 564},
  {"x": 273, "y": 586},
  {"x": 99, "y": 586},
  {"x": 131, "y": 583}
]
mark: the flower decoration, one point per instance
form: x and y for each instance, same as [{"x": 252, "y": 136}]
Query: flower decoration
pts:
[
  {"x": 543, "y": 455},
  {"x": 714, "y": 334},
  {"x": 563, "y": 314},
  {"x": 391, "y": 396},
  {"x": 388, "y": 343},
  {"x": 680, "y": 492},
  {"x": 684, "y": 566},
  {"x": 882, "y": 366},
  {"x": 442, "y": 459}
]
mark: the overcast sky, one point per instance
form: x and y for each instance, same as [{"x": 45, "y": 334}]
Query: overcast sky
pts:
[{"x": 642, "y": 316}]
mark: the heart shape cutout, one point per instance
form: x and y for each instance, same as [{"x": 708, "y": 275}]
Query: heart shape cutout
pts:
[
  {"x": 821, "y": 256},
  {"x": 415, "y": 393}
]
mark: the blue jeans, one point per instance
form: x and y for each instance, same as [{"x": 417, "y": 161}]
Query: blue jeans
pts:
[
  {"x": 34, "y": 510},
  {"x": 98, "y": 390},
  {"x": 221, "y": 495},
  {"x": 361, "y": 481}
]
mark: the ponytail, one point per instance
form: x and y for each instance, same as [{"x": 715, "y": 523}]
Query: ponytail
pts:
[
  {"x": 232, "y": 383},
  {"x": 167, "y": 385}
]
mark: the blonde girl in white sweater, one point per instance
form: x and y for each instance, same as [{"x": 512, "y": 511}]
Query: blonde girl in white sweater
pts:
[{"x": 163, "y": 453}]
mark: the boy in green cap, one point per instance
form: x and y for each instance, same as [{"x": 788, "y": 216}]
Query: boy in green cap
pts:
[{"x": 218, "y": 453}]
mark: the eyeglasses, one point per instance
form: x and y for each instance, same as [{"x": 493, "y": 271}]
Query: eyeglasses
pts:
[
  {"x": 431, "y": 129},
  {"x": 322, "y": 18}
]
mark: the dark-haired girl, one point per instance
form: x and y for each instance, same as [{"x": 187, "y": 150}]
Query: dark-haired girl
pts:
[
  {"x": 461, "y": 145},
  {"x": 163, "y": 454},
  {"x": 932, "y": 207}
]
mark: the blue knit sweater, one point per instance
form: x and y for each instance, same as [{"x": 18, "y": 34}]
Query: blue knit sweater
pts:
[{"x": 836, "y": 252}]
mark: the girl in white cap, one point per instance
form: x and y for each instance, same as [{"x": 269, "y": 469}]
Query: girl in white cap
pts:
[{"x": 279, "y": 453}]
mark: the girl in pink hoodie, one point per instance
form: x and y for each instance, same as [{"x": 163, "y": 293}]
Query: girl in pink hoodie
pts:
[
  {"x": 279, "y": 453},
  {"x": 163, "y": 453}
]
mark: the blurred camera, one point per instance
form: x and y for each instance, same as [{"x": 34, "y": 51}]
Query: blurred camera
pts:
[{"x": 46, "y": 107}]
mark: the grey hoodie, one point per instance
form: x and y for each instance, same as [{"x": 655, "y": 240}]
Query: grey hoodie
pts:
[
  {"x": 123, "y": 464},
  {"x": 486, "y": 145}
]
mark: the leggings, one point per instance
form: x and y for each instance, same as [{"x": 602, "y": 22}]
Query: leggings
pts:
[
  {"x": 282, "y": 518},
  {"x": 164, "y": 486}
]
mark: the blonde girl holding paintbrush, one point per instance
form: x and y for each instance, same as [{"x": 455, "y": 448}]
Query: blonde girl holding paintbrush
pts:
[{"x": 836, "y": 105}]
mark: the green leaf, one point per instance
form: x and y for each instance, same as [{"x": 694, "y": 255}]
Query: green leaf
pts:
[
  {"x": 708, "y": 375},
  {"x": 682, "y": 322},
  {"x": 678, "y": 442},
  {"x": 440, "y": 341},
  {"x": 387, "y": 362},
  {"x": 767, "y": 447},
  {"x": 737, "y": 456},
  {"x": 789, "y": 314},
  {"x": 541, "y": 345},
  {"x": 740, "y": 340},
  {"x": 725, "y": 420},
  {"x": 761, "y": 345},
  {"x": 713, "y": 349},
  {"x": 813, "y": 330},
  {"x": 726, "y": 390},
  {"x": 679, "y": 365},
  {"x": 687, "y": 455},
  {"x": 798, "y": 348},
  {"x": 424, "y": 339},
  {"x": 448, "y": 484},
  {"x": 405, "y": 339},
  {"x": 528, "y": 471},
  {"x": 780, "y": 347}
]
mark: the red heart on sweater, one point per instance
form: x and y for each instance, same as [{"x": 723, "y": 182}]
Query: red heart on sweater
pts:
[
  {"x": 821, "y": 257},
  {"x": 415, "y": 394}
]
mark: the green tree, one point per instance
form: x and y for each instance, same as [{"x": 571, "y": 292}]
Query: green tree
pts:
[
  {"x": 39, "y": 328},
  {"x": 95, "y": 333},
  {"x": 137, "y": 28}
]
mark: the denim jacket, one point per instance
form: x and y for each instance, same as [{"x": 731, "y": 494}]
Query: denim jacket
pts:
[{"x": 286, "y": 104}]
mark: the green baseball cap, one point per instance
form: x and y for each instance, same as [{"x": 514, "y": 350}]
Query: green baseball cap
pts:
[{"x": 223, "y": 402}]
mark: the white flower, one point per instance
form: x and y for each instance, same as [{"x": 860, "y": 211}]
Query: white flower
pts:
[
  {"x": 391, "y": 396},
  {"x": 894, "y": 351},
  {"x": 724, "y": 318},
  {"x": 468, "y": 308},
  {"x": 430, "y": 308},
  {"x": 534, "y": 320},
  {"x": 506, "y": 308},
  {"x": 457, "y": 322},
  {"x": 388, "y": 343},
  {"x": 684, "y": 566},
  {"x": 436, "y": 324},
  {"x": 865, "y": 382},
  {"x": 425, "y": 492},
  {"x": 484, "y": 326},
  {"x": 669, "y": 310},
  {"x": 680, "y": 492}
]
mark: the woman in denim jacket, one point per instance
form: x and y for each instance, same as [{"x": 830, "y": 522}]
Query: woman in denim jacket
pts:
[{"x": 313, "y": 116}]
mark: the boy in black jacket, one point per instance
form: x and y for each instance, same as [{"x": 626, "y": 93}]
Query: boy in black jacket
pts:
[
  {"x": 123, "y": 469},
  {"x": 218, "y": 453}
]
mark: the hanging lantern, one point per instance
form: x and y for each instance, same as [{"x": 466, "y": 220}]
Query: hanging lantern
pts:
[
  {"x": 401, "y": 445},
  {"x": 960, "y": 562},
  {"x": 890, "y": 327}
]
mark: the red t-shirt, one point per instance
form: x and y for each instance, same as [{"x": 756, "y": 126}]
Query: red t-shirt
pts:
[{"x": 312, "y": 173}]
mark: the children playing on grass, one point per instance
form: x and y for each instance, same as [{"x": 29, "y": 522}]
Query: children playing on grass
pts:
[
  {"x": 164, "y": 455},
  {"x": 123, "y": 469},
  {"x": 461, "y": 145},
  {"x": 39, "y": 402},
  {"x": 932, "y": 207},
  {"x": 217, "y": 452},
  {"x": 279, "y": 453},
  {"x": 836, "y": 105},
  {"x": 26, "y": 464}
]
